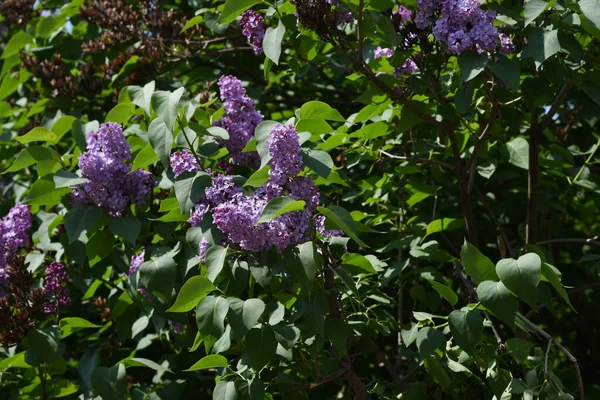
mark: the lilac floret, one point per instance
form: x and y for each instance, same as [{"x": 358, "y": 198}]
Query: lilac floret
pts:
[
  {"x": 136, "y": 262},
  {"x": 462, "y": 24},
  {"x": 284, "y": 148},
  {"x": 54, "y": 288},
  {"x": 111, "y": 183},
  {"x": 183, "y": 161},
  {"x": 253, "y": 28},
  {"x": 177, "y": 327},
  {"x": 240, "y": 122},
  {"x": 13, "y": 235}
]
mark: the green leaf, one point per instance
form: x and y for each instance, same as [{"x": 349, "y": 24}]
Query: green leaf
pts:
[
  {"x": 128, "y": 227},
  {"x": 338, "y": 333},
  {"x": 466, "y": 328},
  {"x": 591, "y": 10},
  {"x": 158, "y": 275},
  {"x": 320, "y": 110},
  {"x": 359, "y": 261},
  {"x": 343, "y": 220},
  {"x": 44, "y": 342},
  {"x": 234, "y": 8},
  {"x": 161, "y": 139},
  {"x": 533, "y": 8},
  {"x": 319, "y": 161},
  {"x": 192, "y": 22},
  {"x": 507, "y": 70},
  {"x": 311, "y": 260},
  {"x": 38, "y": 134},
  {"x": 261, "y": 347},
  {"x": 79, "y": 220},
  {"x": 518, "y": 152},
  {"x": 272, "y": 42},
  {"x": 215, "y": 261},
  {"x": 434, "y": 367},
  {"x": 445, "y": 292},
  {"x": 120, "y": 113},
  {"x": 541, "y": 45},
  {"x": 210, "y": 361},
  {"x": 64, "y": 178},
  {"x": 110, "y": 383},
  {"x": 521, "y": 276},
  {"x": 225, "y": 390},
  {"x": 549, "y": 275},
  {"x": 144, "y": 158},
  {"x": 71, "y": 325},
  {"x": 279, "y": 206},
  {"x": 478, "y": 267},
  {"x": 32, "y": 155},
  {"x": 210, "y": 315},
  {"x": 192, "y": 291},
  {"x": 258, "y": 178},
  {"x": 444, "y": 224},
  {"x": 428, "y": 339},
  {"x": 18, "y": 41},
  {"x": 189, "y": 188},
  {"x": 499, "y": 300},
  {"x": 244, "y": 315},
  {"x": 142, "y": 96},
  {"x": 99, "y": 246},
  {"x": 519, "y": 349},
  {"x": 166, "y": 106},
  {"x": 471, "y": 64}
]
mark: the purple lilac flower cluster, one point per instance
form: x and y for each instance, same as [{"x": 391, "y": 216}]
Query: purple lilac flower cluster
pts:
[
  {"x": 409, "y": 66},
  {"x": 134, "y": 266},
  {"x": 111, "y": 184},
  {"x": 54, "y": 289},
  {"x": 253, "y": 28},
  {"x": 284, "y": 148},
  {"x": 136, "y": 262},
  {"x": 177, "y": 327},
  {"x": 13, "y": 234},
  {"x": 183, "y": 161},
  {"x": 404, "y": 13},
  {"x": 462, "y": 24},
  {"x": 236, "y": 214},
  {"x": 240, "y": 120}
]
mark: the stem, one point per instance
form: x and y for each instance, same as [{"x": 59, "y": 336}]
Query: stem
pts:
[
  {"x": 463, "y": 190},
  {"x": 533, "y": 178},
  {"x": 422, "y": 159},
  {"x": 595, "y": 241},
  {"x": 586, "y": 162},
  {"x": 187, "y": 140},
  {"x": 361, "y": 5},
  {"x": 42, "y": 382},
  {"x": 559, "y": 346}
]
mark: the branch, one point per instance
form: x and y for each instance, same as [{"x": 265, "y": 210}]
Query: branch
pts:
[
  {"x": 560, "y": 98},
  {"x": 594, "y": 241},
  {"x": 43, "y": 382},
  {"x": 496, "y": 221},
  {"x": 559, "y": 346},
  {"x": 311, "y": 385},
  {"x": 334, "y": 311},
  {"x": 464, "y": 194},
  {"x": 482, "y": 136},
  {"x": 532, "y": 179},
  {"x": 422, "y": 159},
  {"x": 361, "y": 5}
]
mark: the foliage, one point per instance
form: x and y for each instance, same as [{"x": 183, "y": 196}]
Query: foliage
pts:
[{"x": 400, "y": 202}]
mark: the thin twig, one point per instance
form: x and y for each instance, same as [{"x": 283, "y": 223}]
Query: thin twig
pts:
[
  {"x": 421, "y": 159},
  {"x": 532, "y": 179},
  {"x": 566, "y": 352},
  {"x": 464, "y": 194},
  {"x": 496, "y": 221},
  {"x": 401, "y": 382},
  {"x": 42, "y": 382},
  {"x": 595, "y": 241},
  {"x": 546, "y": 358},
  {"x": 361, "y": 6},
  {"x": 311, "y": 385}
]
